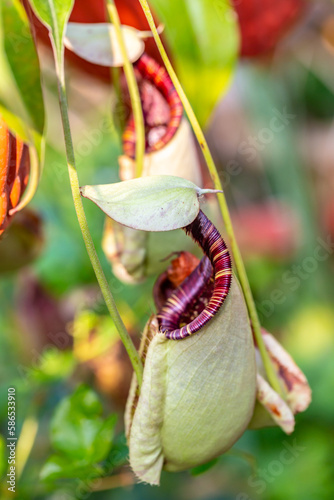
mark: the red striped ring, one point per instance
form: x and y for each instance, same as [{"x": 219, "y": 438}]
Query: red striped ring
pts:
[
  {"x": 152, "y": 71},
  {"x": 207, "y": 236}
]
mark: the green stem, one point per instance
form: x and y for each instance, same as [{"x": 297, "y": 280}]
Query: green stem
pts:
[
  {"x": 271, "y": 374},
  {"x": 74, "y": 181},
  {"x": 133, "y": 89},
  {"x": 119, "y": 121}
]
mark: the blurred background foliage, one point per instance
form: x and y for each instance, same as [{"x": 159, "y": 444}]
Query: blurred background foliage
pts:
[{"x": 58, "y": 347}]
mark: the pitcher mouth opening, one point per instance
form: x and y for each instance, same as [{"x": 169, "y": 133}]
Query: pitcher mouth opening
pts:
[{"x": 162, "y": 108}]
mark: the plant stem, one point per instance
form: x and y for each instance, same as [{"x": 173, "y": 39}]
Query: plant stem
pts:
[
  {"x": 120, "y": 120},
  {"x": 74, "y": 181},
  {"x": 133, "y": 89},
  {"x": 121, "y": 480},
  {"x": 272, "y": 377}
]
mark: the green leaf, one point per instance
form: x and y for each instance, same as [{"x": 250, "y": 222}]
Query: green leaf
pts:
[
  {"x": 53, "y": 365},
  {"x": 118, "y": 454},
  {"x": 78, "y": 431},
  {"x": 21, "y": 98},
  {"x": 201, "y": 469},
  {"x": 204, "y": 38},
  {"x": 85, "y": 401},
  {"x": 153, "y": 203},
  {"x": 103, "y": 440},
  {"x": 60, "y": 467},
  {"x": 97, "y": 43},
  {"x": 54, "y": 15}
]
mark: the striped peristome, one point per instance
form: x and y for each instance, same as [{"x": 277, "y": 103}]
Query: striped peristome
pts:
[
  {"x": 217, "y": 256},
  {"x": 150, "y": 70}
]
